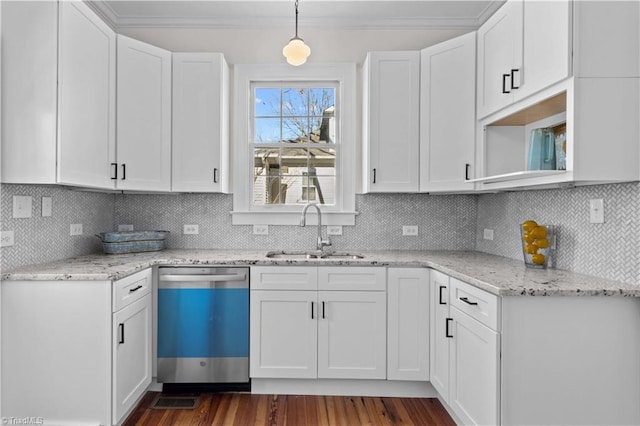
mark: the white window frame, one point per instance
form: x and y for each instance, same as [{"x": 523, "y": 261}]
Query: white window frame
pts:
[{"x": 244, "y": 212}]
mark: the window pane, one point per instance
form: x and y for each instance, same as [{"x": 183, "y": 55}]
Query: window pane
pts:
[
  {"x": 267, "y": 130},
  {"x": 267, "y": 102},
  {"x": 320, "y": 99},
  {"x": 294, "y": 174},
  {"x": 295, "y": 129},
  {"x": 295, "y": 102},
  {"x": 323, "y": 159}
]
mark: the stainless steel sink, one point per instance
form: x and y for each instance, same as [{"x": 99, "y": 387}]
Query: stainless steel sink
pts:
[{"x": 300, "y": 255}]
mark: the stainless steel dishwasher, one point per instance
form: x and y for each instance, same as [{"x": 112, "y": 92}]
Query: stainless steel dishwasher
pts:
[{"x": 203, "y": 328}]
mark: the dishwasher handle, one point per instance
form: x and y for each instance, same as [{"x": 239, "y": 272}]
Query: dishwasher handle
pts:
[{"x": 200, "y": 278}]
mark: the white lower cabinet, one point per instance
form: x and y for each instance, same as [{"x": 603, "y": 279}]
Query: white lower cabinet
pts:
[
  {"x": 522, "y": 360},
  {"x": 302, "y": 333},
  {"x": 465, "y": 350},
  {"x": 474, "y": 366},
  {"x": 131, "y": 354},
  {"x": 284, "y": 334},
  {"x": 62, "y": 354},
  {"x": 408, "y": 324}
]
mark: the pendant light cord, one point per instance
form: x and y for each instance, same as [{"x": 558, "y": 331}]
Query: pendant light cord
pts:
[{"x": 296, "y": 18}]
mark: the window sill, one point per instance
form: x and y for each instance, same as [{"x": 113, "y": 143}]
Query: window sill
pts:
[{"x": 291, "y": 218}]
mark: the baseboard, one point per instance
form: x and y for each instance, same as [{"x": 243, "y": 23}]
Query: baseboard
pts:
[{"x": 331, "y": 387}]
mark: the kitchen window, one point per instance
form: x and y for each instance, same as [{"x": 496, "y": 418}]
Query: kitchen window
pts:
[{"x": 294, "y": 143}]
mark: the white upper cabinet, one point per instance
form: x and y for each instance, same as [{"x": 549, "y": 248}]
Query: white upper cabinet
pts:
[
  {"x": 576, "y": 93},
  {"x": 57, "y": 136},
  {"x": 523, "y": 48},
  {"x": 447, "y": 115},
  {"x": 391, "y": 121},
  {"x": 86, "y": 97},
  {"x": 144, "y": 116},
  {"x": 499, "y": 57},
  {"x": 547, "y": 45},
  {"x": 200, "y": 154}
]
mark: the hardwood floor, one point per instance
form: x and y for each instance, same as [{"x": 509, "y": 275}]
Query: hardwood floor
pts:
[{"x": 242, "y": 409}]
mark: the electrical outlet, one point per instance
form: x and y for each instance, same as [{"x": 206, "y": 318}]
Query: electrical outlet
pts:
[
  {"x": 411, "y": 231},
  {"x": 47, "y": 205},
  {"x": 75, "y": 229},
  {"x": 596, "y": 211},
  {"x": 334, "y": 229},
  {"x": 21, "y": 206},
  {"x": 191, "y": 230},
  {"x": 488, "y": 234},
  {"x": 125, "y": 228},
  {"x": 260, "y": 229},
  {"x": 6, "y": 238}
]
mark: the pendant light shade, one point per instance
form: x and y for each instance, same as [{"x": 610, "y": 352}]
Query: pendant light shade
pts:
[{"x": 296, "y": 51}]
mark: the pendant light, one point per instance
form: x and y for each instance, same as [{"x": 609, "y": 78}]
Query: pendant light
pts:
[{"x": 296, "y": 51}]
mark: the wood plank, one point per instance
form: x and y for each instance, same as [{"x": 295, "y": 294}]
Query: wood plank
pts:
[{"x": 241, "y": 409}]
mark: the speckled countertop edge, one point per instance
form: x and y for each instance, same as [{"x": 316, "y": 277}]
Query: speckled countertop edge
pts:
[{"x": 497, "y": 275}]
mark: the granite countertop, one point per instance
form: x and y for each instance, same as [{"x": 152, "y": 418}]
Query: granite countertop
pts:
[{"x": 498, "y": 275}]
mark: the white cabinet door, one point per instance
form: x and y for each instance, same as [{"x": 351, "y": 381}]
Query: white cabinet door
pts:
[
  {"x": 29, "y": 74},
  {"x": 283, "y": 335},
  {"x": 547, "y": 45},
  {"x": 499, "y": 58},
  {"x": 447, "y": 115},
  {"x": 351, "y": 335},
  {"x": 131, "y": 355},
  {"x": 200, "y": 154},
  {"x": 474, "y": 370},
  {"x": 391, "y": 121},
  {"x": 408, "y": 324},
  {"x": 440, "y": 346},
  {"x": 58, "y": 99},
  {"x": 86, "y": 97},
  {"x": 144, "y": 116}
]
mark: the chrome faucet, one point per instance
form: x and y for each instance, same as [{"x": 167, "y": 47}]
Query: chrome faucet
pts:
[{"x": 321, "y": 244}]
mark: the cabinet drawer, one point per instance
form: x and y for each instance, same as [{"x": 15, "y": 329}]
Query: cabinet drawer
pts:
[
  {"x": 131, "y": 288},
  {"x": 352, "y": 278},
  {"x": 284, "y": 278},
  {"x": 474, "y": 302}
]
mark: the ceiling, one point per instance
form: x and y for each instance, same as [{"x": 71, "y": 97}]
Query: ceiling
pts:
[{"x": 255, "y": 14}]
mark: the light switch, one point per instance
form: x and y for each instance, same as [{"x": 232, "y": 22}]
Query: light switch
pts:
[{"x": 22, "y": 206}]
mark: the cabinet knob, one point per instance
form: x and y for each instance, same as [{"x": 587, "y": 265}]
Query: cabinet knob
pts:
[
  {"x": 114, "y": 176},
  {"x": 374, "y": 175},
  {"x": 467, "y": 166},
  {"x": 446, "y": 328},
  {"x": 124, "y": 171}
]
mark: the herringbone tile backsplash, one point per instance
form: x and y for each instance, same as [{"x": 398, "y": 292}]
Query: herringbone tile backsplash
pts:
[
  {"x": 610, "y": 250},
  {"x": 444, "y": 222},
  {"x": 43, "y": 239},
  {"x": 452, "y": 222}
]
